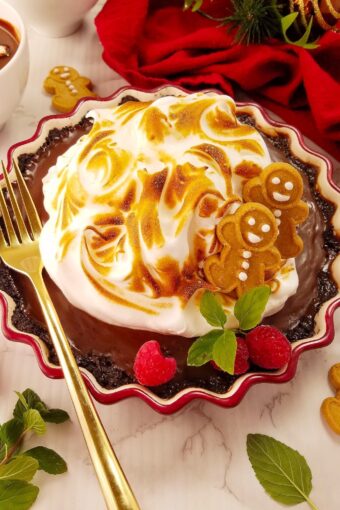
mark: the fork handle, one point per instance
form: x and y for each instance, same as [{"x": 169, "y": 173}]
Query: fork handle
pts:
[{"x": 115, "y": 487}]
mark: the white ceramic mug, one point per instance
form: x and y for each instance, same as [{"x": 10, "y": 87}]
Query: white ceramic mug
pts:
[
  {"x": 13, "y": 76},
  {"x": 54, "y": 18}
]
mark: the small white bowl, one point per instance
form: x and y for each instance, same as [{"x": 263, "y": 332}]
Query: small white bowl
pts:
[
  {"x": 54, "y": 18},
  {"x": 13, "y": 76}
]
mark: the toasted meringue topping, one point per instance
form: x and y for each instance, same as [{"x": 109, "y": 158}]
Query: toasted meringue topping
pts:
[{"x": 133, "y": 207}]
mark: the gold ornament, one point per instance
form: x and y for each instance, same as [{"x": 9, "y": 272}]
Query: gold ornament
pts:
[
  {"x": 319, "y": 16},
  {"x": 333, "y": 7},
  {"x": 326, "y": 12}
]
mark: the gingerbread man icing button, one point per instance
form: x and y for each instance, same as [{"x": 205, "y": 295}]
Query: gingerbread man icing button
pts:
[
  {"x": 248, "y": 253},
  {"x": 67, "y": 87},
  {"x": 280, "y": 188}
]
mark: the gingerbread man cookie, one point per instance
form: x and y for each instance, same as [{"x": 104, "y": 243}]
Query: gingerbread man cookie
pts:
[
  {"x": 67, "y": 87},
  {"x": 330, "y": 407},
  {"x": 334, "y": 376},
  {"x": 248, "y": 255},
  {"x": 280, "y": 187}
]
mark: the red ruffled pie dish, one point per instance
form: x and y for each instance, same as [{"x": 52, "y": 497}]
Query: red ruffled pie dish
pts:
[{"x": 311, "y": 326}]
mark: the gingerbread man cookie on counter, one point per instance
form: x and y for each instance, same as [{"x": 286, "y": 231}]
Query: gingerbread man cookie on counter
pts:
[
  {"x": 330, "y": 407},
  {"x": 67, "y": 87},
  {"x": 248, "y": 252},
  {"x": 280, "y": 188}
]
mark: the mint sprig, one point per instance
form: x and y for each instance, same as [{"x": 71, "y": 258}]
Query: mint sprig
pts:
[
  {"x": 282, "y": 471},
  {"x": 220, "y": 345},
  {"x": 250, "y": 306},
  {"x": 18, "y": 467}
]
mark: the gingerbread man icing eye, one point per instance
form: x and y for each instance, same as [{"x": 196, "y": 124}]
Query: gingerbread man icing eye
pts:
[
  {"x": 276, "y": 180},
  {"x": 257, "y": 227},
  {"x": 289, "y": 185}
]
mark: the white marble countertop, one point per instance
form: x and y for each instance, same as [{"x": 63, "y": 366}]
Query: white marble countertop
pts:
[{"x": 195, "y": 459}]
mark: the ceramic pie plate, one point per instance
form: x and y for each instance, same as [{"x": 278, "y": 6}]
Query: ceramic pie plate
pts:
[{"x": 324, "y": 325}]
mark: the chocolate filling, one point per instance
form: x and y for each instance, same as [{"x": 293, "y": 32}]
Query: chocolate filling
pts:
[
  {"x": 108, "y": 351},
  {"x": 8, "y": 42}
]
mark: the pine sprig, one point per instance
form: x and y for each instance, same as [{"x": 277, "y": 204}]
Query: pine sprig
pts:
[{"x": 254, "y": 20}]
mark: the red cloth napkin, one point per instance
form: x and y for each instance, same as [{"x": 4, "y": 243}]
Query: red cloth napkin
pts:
[{"x": 152, "y": 42}]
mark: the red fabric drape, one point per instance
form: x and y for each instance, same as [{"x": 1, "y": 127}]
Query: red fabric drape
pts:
[{"x": 152, "y": 42}]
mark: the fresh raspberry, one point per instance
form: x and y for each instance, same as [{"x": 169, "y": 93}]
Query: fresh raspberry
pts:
[
  {"x": 242, "y": 357},
  {"x": 241, "y": 361},
  {"x": 151, "y": 368},
  {"x": 268, "y": 347}
]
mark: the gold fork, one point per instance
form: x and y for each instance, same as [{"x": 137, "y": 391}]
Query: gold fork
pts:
[{"x": 20, "y": 251}]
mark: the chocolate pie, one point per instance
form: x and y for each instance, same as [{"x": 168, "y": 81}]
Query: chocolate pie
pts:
[{"x": 134, "y": 199}]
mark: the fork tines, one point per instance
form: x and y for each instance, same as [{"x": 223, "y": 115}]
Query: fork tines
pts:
[{"x": 13, "y": 216}]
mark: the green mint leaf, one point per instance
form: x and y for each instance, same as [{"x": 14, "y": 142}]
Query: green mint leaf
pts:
[
  {"x": 54, "y": 415},
  {"x": 33, "y": 421},
  {"x": 224, "y": 351},
  {"x": 11, "y": 431},
  {"x": 22, "y": 399},
  {"x": 30, "y": 400},
  {"x": 211, "y": 310},
  {"x": 33, "y": 401},
  {"x": 3, "y": 450},
  {"x": 201, "y": 350},
  {"x": 41, "y": 407},
  {"x": 250, "y": 307},
  {"x": 49, "y": 460},
  {"x": 20, "y": 468},
  {"x": 17, "y": 494},
  {"x": 283, "y": 472}
]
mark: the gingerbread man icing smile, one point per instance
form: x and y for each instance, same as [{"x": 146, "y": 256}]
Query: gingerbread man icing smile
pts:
[
  {"x": 248, "y": 255},
  {"x": 280, "y": 187}
]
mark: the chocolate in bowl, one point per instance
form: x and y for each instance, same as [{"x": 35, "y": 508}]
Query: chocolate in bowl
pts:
[
  {"x": 108, "y": 351},
  {"x": 9, "y": 42}
]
